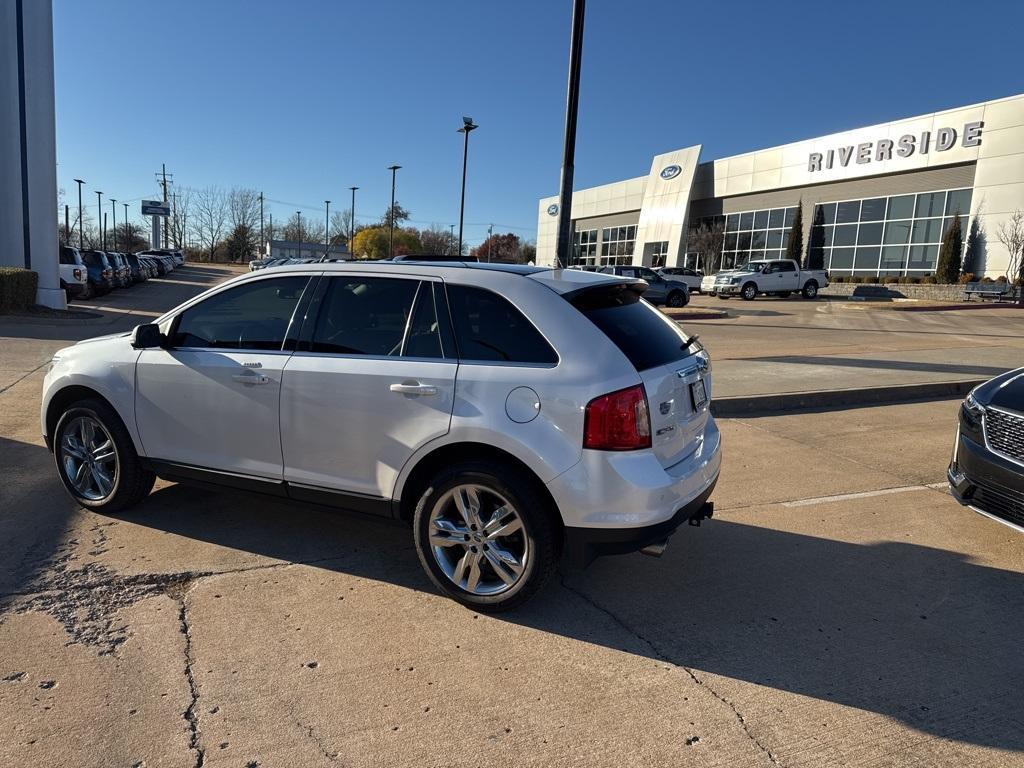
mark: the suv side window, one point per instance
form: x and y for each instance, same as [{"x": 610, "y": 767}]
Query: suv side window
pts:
[
  {"x": 252, "y": 316},
  {"x": 369, "y": 316},
  {"x": 649, "y": 275},
  {"x": 489, "y": 328}
]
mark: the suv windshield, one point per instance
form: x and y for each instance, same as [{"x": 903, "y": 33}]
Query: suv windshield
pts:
[{"x": 644, "y": 335}]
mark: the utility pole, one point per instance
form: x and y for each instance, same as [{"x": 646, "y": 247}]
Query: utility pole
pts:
[
  {"x": 451, "y": 239},
  {"x": 175, "y": 241},
  {"x": 270, "y": 249},
  {"x": 391, "y": 212},
  {"x": 490, "y": 242},
  {"x": 104, "y": 237},
  {"x": 572, "y": 108},
  {"x": 467, "y": 126},
  {"x": 261, "y": 221},
  {"x": 327, "y": 227},
  {"x": 163, "y": 180},
  {"x": 67, "y": 227},
  {"x": 113, "y": 218},
  {"x": 127, "y": 233}
]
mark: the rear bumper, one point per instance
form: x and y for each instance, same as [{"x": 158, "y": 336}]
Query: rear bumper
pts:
[
  {"x": 987, "y": 483},
  {"x": 74, "y": 290},
  {"x": 584, "y": 545}
]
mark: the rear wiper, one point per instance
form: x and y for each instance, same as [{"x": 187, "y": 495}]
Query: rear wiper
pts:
[{"x": 689, "y": 343}]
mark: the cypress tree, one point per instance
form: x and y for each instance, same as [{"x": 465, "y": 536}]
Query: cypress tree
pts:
[
  {"x": 795, "y": 246},
  {"x": 948, "y": 269}
]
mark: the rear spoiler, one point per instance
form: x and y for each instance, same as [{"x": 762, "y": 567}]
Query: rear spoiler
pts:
[{"x": 611, "y": 294}]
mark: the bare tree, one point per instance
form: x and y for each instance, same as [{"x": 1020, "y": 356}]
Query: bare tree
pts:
[
  {"x": 1010, "y": 233},
  {"x": 340, "y": 223},
  {"x": 302, "y": 229},
  {"x": 706, "y": 241},
  {"x": 210, "y": 219},
  {"x": 180, "y": 214}
]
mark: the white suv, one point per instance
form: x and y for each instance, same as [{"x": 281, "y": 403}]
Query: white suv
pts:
[{"x": 510, "y": 414}]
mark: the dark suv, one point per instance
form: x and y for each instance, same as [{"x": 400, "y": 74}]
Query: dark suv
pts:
[
  {"x": 100, "y": 273},
  {"x": 987, "y": 469}
]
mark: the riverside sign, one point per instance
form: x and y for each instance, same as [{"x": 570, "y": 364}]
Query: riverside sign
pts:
[{"x": 905, "y": 146}]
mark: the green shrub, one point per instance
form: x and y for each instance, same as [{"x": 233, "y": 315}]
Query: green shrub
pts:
[
  {"x": 837, "y": 278},
  {"x": 17, "y": 288},
  {"x": 987, "y": 279}
]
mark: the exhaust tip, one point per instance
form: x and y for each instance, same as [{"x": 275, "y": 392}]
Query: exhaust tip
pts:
[{"x": 655, "y": 550}]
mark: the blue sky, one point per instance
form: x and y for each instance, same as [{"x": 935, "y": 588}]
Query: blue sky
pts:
[{"x": 304, "y": 99}]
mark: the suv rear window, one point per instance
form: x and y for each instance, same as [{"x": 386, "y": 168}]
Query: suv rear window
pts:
[{"x": 644, "y": 335}]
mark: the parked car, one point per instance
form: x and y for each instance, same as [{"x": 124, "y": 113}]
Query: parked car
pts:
[
  {"x": 73, "y": 274},
  {"x": 147, "y": 264},
  {"x": 579, "y": 421},
  {"x": 122, "y": 274},
  {"x": 986, "y": 472},
  {"x": 99, "y": 273},
  {"x": 140, "y": 272},
  {"x": 774, "y": 278},
  {"x": 689, "y": 276},
  {"x": 669, "y": 291},
  {"x": 163, "y": 257}
]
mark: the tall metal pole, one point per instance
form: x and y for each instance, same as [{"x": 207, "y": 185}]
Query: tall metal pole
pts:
[
  {"x": 327, "y": 228},
  {"x": 127, "y": 234},
  {"x": 262, "y": 244},
  {"x": 490, "y": 242},
  {"x": 467, "y": 126},
  {"x": 352, "y": 219},
  {"x": 391, "y": 212},
  {"x": 572, "y": 106},
  {"x": 99, "y": 218},
  {"x": 67, "y": 227},
  {"x": 104, "y": 232},
  {"x": 163, "y": 170},
  {"x": 113, "y": 218},
  {"x": 451, "y": 238},
  {"x": 79, "y": 182}
]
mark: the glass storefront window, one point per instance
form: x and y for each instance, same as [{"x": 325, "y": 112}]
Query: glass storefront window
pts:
[
  {"x": 776, "y": 218},
  {"x": 958, "y": 201},
  {"x": 873, "y": 209},
  {"x": 760, "y": 219},
  {"x": 930, "y": 204},
  {"x": 870, "y": 234},
  {"x": 897, "y": 232},
  {"x": 845, "y": 234},
  {"x": 747, "y": 220},
  {"x": 828, "y": 212},
  {"x": 866, "y": 259},
  {"x": 848, "y": 212},
  {"x": 901, "y": 207},
  {"x": 926, "y": 231}
]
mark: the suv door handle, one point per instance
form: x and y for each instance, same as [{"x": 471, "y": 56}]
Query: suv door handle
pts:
[
  {"x": 251, "y": 378},
  {"x": 413, "y": 388}
]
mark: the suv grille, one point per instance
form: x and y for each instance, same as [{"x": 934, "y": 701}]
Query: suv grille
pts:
[
  {"x": 1005, "y": 433},
  {"x": 997, "y": 500}
]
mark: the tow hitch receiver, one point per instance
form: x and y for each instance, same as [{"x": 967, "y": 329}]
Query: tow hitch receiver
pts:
[{"x": 706, "y": 512}]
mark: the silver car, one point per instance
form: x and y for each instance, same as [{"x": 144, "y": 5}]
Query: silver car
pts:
[{"x": 511, "y": 415}]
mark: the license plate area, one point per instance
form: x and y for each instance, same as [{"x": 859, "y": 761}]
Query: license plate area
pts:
[{"x": 698, "y": 394}]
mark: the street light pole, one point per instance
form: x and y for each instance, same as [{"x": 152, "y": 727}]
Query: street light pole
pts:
[
  {"x": 467, "y": 126},
  {"x": 451, "y": 238},
  {"x": 127, "y": 238},
  {"x": 391, "y": 212},
  {"x": 79, "y": 182},
  {"x": 352, "y": 219},
  {"x": 113, "y": 218},
  {"x": 572, "y": 106},
  {"x": 99, "y": 218},
  {"x": 262, "y": 244},
  {"x": 490, "y": 242},
  {"x": 327, "y": 228}
]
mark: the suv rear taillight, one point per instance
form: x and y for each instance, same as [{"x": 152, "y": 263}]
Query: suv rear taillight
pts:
[
  {"x": 108, "y": 272},
  {"x": 618, "y": 421},
  {"x": 77, "y": 273}
]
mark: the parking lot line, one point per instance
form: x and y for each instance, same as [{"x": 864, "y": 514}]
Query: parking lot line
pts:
[{"x": 861, "y": 495}]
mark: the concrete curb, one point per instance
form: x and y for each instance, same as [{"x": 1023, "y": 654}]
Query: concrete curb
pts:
[{"x": 837, "y": 399}]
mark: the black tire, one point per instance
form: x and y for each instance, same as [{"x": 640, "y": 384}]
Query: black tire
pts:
[
  {"x": 677, "y": 299},
  {"x": 810, "y": 290},
  {"x": 538, "y": 528},
  {"x": 749, "y": 292},
  {"x": 131, "y": 482},
  {"x": 721, "y": 296}
]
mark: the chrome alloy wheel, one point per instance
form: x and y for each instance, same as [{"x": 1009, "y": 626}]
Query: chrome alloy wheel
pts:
[
  {"x": 478, "y": 540},
  {"x": 88, "y": 457}
]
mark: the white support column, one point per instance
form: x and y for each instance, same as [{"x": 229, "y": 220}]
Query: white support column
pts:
[{"x": 28, "y": 145}]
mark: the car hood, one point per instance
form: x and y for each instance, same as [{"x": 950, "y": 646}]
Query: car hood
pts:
[
  {"x": 121, "y": 335},
  {"x": 1004, "y": 391}
]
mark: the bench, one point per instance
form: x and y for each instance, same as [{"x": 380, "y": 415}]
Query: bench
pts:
[{"x": 997, "y": 291}]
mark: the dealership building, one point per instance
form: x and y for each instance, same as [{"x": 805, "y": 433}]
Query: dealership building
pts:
[{"x": 876, "y": 200}]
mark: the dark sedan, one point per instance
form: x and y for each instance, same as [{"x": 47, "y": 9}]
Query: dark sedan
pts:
[{"x": 987, "y": 470}]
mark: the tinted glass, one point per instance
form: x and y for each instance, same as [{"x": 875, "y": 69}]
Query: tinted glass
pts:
[
  {"x": 873, "y": 210},
  {"x": 893, "y": 257},
  {"x": 866, "y": 259},
  {"x": 640, "y": 331},
  {"x": 848, "y": 212},
  {"x": 774, "y": 239},
  {"x": 923, "y": 257},
  {"x": 790, "y": 216},
  {"x": 828, "y": 213},
  {"x": 897, "y": 232},
  {"x": 424, "y": 338},
  {"x": 786, "y": 266},
  {"x": 927, "y": 231},
  {"x": 845, "y": 234},
  {"x": 958, "y": 201},
  {"x": 94, "y": 259},
  {"x": 251, "y": 316},
  {"x": 776, "y": 217},
  {"x": 757, "y": 239},
  {"x": 901, "y": 207},
  {"x": 842, "y": 258},
  {"x": 930, "y": 204},
  {"x": 67, "y": 256},
  {"x": 870, "y": 234},
  {"x": 747, "y": 220},
  {"x": 760, "y": 219},
  {"x": 488, "y": 327},
  {"x": 364, "y": 316}
]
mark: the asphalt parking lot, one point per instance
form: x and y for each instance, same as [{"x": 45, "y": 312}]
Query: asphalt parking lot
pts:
[{"x": 841, "y": 609}]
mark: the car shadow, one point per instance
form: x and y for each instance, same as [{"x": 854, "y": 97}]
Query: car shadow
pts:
[{"x": 880, "y": 627}]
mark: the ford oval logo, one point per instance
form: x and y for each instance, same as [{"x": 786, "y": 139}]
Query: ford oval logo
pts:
[
  {"x": 670, "y": 171},
  {"x": 553, "y": 209}
]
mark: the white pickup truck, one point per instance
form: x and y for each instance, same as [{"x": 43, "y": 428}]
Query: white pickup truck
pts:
[{"x": 774, "y": 278}]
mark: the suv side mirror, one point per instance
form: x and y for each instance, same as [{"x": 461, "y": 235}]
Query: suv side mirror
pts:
[{"x": 148, "y": 336}]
